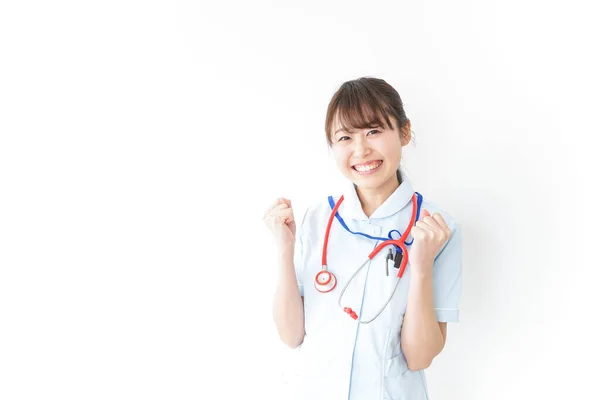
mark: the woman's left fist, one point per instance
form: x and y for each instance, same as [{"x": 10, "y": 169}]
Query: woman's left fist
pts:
[{"x": 430, "y": 233}]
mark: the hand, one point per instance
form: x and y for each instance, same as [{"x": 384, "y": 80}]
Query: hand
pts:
[
  {"x": 430, "y": 233},
  {"x": 279, "y": 218}
]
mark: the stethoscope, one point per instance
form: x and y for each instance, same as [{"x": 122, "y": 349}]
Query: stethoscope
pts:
[{"x": 325, "y": 281}]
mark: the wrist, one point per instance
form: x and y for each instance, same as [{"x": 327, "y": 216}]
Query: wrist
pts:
[
  {"x": 421, "y": 275},
  {"x": 285, "y": 253},
  {"x": 422, "y": 270}
]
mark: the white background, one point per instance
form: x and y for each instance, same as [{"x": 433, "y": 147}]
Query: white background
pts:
[{"x": 142, "y": 141}]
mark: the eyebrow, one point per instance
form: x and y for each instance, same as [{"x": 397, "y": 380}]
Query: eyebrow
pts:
[{"x": 353, "y": 132}]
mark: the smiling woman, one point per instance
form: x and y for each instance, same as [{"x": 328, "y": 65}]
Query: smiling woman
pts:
[
  {"x": 366, "y": 128},
  {"x": 333, "y": 279}
]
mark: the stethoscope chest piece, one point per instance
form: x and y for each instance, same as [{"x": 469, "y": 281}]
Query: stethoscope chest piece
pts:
[{"x": 325, "y": 281}]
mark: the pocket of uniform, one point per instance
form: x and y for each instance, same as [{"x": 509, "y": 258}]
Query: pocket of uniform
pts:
[
  {"x": 402, "y": 383},
  {"x": 396, "y": 365}
]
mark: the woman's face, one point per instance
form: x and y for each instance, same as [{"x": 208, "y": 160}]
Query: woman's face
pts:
[{"x": 368, "y": 157}]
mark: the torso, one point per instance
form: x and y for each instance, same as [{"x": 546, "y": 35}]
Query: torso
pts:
[{"x": 342, "y": 358}]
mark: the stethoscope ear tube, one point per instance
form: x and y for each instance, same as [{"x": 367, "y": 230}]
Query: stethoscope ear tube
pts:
[
  {"x": 325, "y": 281},
  {"x": 351, "y": 312},
  {"x": 354, "y": 316}
]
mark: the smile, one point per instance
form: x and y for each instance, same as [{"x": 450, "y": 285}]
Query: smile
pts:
[{"x": 367, "y": 168}]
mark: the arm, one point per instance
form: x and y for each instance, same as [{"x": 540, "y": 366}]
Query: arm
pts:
[
  {"x": 288, "y": 307},
  {"x": 288, "y": 304},
  {"x": 423, "y": 337},
  {"x": 434, "y": 289}
]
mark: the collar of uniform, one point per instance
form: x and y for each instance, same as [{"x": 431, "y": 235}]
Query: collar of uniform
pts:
[{"x": 397, "y": 201}]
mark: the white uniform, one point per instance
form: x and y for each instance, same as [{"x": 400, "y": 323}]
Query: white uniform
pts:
[{"x": 341, "y": 358}]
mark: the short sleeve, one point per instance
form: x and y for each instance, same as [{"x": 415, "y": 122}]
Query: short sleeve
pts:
[
  {"x": 300, "y": 252},
  {"x": 447, "y": 278}
]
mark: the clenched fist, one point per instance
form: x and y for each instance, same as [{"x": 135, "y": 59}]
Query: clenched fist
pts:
[
  {"x": 430, "y": 234},
  {"x": 279, "y": 218}
]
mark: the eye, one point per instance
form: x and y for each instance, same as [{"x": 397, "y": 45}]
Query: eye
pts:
[
  {"x": 374, "y": 130},
  {"x": 341, "y": 139}
]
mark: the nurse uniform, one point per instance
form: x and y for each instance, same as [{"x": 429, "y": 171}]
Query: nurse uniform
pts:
[{"x": 341, "y": 358}]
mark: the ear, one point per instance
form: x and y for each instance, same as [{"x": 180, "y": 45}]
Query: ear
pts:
[{"x": 406, "y": 134}]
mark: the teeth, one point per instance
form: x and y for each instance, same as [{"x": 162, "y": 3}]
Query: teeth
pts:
[{"x": 369, "y": 167}]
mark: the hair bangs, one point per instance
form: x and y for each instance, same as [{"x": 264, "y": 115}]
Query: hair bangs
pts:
[{"x": 358, "y": 108}]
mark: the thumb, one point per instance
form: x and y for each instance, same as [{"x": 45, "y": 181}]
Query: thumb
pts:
[{"x": 424, "y": 214}]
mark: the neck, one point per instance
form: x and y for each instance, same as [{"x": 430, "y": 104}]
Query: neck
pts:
[{"x": 371, "y": 199}]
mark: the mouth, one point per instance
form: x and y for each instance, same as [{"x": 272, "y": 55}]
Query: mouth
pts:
[{"x": 368, "y": 167}]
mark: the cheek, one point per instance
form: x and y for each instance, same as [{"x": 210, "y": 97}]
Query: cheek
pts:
[
  {"x": 341, "y": 157},
  {"x": 392, "y": 152}
]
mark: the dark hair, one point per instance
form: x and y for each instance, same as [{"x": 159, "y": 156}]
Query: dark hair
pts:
[{"x": 365, "y": 103}]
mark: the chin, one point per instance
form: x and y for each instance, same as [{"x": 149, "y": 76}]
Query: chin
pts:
[
  {"x": 367, "y": 182},
  {"x": 370, "y": 182}
]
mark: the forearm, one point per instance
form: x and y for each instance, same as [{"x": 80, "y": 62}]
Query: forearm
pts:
[
  {"x": 421, "y": 337},
  {"x": 288, "y": 307}
]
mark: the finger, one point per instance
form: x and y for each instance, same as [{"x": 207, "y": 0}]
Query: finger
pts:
[
  {"x": 281, "y": 214},
  {"x": 442, "y": 223},
  {"x": 417, "y": 231},
  {"x": 431, "y": 223},
  {"x": 287, "y": 201},
  {"x": 287, "y": 215},
  {"x": 424, "y": 228},
  {"x": 434, "y": 220},
  {"x": 272, "y": 205},
  {"x": 440, "y": 220},
  {"x": 425, "y": 217},
  {"x": 279, "y": 208},
  {"x": 277, "y": 205}
]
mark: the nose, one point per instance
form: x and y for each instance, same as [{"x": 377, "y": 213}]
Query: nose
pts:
[{"x": 361, "y": 147}]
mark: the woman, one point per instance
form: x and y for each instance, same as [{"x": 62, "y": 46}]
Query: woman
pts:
[{"x": 367, "y": 324}]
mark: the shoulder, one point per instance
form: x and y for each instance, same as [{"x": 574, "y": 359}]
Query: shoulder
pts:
[{"x": 317, "y": 212}]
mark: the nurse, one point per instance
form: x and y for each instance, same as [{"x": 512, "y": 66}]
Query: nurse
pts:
[{"x": 372, "y": 351}]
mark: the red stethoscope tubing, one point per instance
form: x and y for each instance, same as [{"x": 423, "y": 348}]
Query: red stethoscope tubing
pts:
[
  {"x": 331, "y": 217},
  {"x": 395, "y": 242},
  {"x": 325, "y": 281}
]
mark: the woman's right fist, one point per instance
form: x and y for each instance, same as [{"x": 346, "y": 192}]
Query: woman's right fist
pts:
[{"x": 279, "y": 218}]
